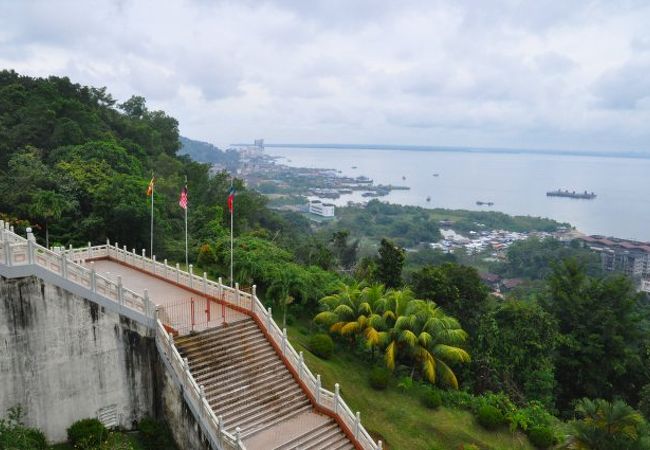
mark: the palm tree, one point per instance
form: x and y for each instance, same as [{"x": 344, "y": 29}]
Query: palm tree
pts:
[
  {"x": 604, "y": 425},
  {"x": 49, "y": 205},
  {"x": 424, "y": 333},
  {"x": 355, "y": 310}
]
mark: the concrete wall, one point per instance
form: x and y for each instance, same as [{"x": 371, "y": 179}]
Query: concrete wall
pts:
[
  {"x": 64, "y": 358},
  {"x": 183, "y": 425}
]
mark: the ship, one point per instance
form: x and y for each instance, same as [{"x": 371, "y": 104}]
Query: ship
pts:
[
  {"x": 480, "y": 203},
  {"x": 571, "y": 194}
]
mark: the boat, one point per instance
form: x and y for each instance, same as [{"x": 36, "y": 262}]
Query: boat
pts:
[
  {"x": 428, "y": 199},
  {"x": 436, "y": 174},
  {"x": 572, "y": 194},
  {"x": 403, "y": 178},
  {"x": 480, "y": 203},
  {"x": 354, "y": 167}
]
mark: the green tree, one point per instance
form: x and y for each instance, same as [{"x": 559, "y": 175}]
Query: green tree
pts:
[
  {"x": 390, "y": 264},
  {"x": 48, "y": 206},
  {"x": 514, "y": 352},
  {"x": 602, "y": 327}
]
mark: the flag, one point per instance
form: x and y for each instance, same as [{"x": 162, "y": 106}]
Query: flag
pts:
[
  {"x": 182, "y": 201},
  {"x": 150, "y": 187},
  {"x": 231, "y": 198}
]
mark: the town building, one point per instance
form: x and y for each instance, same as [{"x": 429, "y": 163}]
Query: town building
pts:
[{"x": 321, "y": 209}]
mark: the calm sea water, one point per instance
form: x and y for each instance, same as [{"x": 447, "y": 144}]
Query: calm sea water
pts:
[{"x": 516, "y": 183}]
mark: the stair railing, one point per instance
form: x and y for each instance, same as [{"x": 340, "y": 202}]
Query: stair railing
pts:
[{"x": 330, "y": 401}]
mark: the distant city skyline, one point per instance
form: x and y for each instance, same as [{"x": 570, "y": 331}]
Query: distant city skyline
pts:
[{"x": 550, "y": 74}]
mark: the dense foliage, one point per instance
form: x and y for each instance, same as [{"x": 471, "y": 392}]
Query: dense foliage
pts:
[{"x": 16, "y": 436}]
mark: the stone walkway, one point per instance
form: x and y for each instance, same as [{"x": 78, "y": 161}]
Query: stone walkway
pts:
[{"x": 174, "y": 300}]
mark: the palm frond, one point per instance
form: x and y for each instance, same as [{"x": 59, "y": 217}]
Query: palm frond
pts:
[
  {"x": 390, "y": 354},
  {"x": 449, "y": 353}
]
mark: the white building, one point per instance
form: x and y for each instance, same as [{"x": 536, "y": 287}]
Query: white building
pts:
[
  {"x": 645, "y": 285},
  {"x": 321, "y": 209}
]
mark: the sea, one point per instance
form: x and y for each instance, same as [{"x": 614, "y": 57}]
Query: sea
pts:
[{"x": 516, "y": 183}]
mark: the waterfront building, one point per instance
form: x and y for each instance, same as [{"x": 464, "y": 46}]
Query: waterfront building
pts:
[{"x": 321, "y": 209}]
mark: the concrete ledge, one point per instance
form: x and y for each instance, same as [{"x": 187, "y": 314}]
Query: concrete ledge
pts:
[{"x": 28, "y": 270}]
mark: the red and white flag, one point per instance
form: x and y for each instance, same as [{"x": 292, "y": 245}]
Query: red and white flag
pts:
[{"x": 182, "y": 201}]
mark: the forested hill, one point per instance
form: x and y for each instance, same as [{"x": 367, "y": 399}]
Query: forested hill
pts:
[
  {"x": 208, "y": 153},
  {"x": 74, "y": 159}
]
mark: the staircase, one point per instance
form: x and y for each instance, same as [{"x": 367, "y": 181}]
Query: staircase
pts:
[{"x": 249, "y": 387}]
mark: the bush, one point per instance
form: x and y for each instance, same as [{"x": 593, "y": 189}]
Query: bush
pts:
[
  {"x": 321, "y": 345},
  {"x": 155, "y": 435},
  {"x": 87, "y": 433},
  {"x": 432, "y": 399},
  {"x": 16, "y": 436},
  {"x": 490, "y": 417},
  {"x": 541, "y": 437},
  {"x": 459, "y": 399},
  {"x": 378, "y": 378}
]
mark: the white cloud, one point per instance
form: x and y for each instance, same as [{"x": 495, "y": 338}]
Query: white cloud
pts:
[{"x": 539, "y": 74}]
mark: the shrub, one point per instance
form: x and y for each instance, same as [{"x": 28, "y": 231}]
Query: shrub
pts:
[
  {"x": 490, "y": 417},
  {"x": 15, "y": 435},
  {"x": 321, "y": 345},
  {"x": 405, "y": 383},
  {"x": 432, "y": 399},
  {"x": 117, "y": 441},
  {"x": 541, "y": 437},
  {"x": 459, "y": 399},
  {"x": 87, "y": 433},
  {"x": 379, "y": 377},
  {"x": 534, "y": 414},
  {"x": 470, "y": 447}
]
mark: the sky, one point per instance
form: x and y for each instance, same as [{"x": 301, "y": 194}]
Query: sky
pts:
[{"x": 540, "y": 74}]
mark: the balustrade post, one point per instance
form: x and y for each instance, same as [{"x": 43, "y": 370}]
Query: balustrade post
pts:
[
  {"x": 70, "y": 247},
  {"x": 30, "y": 252},
  {"x": 205, "y": 283},
  {"x": 133, "y": 254},
  {"x": 337, "y": 394},
  {"x": 126, "y": 252},
  {"x": 269, "y": 316},
  {"x": 166, "y": 268},
  {"x": 220, "y": 289},
  {"x": 147, "y": 303},
  {"x": 237, "y": 434},
  {"x": 117, "y": 250},
  {"x": 93, "y": 277},
  {"x": 153, "y": 265},
  {"x": 120, "y": 298},
  {"x": 90, "y": 250},
  {"x": 144, "y": 253},
  {"x": 357, "y": 423},
  {"x": 380, "y": 445},
  {"x": 186, "y": 364},
  {"x": 318, "y": 387},
  {"x": 253, "y": 298},
  {"x": 237, "y": 294},
  {"x": 64, "y": 266},
  {"x": 178, "y": 274},
  {"x": 191, "y": 275},
  {"x": 284, "y": 340},
  {"x": 108, "y": 242},
  {"x": 7, "y": 252},
  {"x": 301, "y": 363}
]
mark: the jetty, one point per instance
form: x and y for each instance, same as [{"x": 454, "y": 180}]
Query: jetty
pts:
[{"x": 571, "y": 194}]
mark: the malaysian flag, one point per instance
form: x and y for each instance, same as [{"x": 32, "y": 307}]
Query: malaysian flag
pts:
[{"x": 182, "y": 201}]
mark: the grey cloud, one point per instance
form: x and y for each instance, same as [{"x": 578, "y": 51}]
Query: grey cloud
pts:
[{"x": 627, "y": 87}]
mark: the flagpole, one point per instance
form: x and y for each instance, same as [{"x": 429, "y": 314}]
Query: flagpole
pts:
[
  {"x": 232, "y": 209},
  {"x": 152, "y": 194},
  {"x": 186, "y": 206}
]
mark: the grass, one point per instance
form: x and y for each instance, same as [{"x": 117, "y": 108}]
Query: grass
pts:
[{"x": 398, "y": 417}]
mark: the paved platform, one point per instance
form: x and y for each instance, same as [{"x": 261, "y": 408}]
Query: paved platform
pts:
[{"x": 176, "y": 302}]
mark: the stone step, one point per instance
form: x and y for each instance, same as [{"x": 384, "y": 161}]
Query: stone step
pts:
[
  {"x": 269, "y": 404},
  {"x": 247, "y": 369},
  {"x": 274, "y": 420},
  {"x": 246, "y": 391},
  {"x": 231, "y": 386},
  {"x": 221, "y": 329},
  {"x": 272, "y": 412},
  {"x": 327, "y": 441},
  {"x": 217, "y": 340},
  {"x": 232, "y": 354},
  {"x": 238, "y": 358},
  {"x": 283, "y": 389},
  {"x": 308, "y": 436}
]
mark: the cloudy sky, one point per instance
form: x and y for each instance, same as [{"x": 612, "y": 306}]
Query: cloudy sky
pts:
[{"x": 563, "y": 74}]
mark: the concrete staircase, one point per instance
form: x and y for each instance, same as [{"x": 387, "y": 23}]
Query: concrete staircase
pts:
[{"x": 248, "y": 385}]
